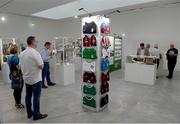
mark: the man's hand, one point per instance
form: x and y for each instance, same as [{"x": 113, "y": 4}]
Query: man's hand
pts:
[{"x": 40, "y": 66}]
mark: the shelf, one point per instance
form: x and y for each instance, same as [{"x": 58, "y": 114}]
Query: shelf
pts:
[
  {"x": 88, "y": 83},
  {"x": 89, "y": 108},
  {"x": 94, "y": 96}
]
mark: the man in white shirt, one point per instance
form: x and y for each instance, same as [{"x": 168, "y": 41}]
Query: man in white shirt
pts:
[
  {"x": 32, "y": 64},
  {"x": 156, "y": 52}
]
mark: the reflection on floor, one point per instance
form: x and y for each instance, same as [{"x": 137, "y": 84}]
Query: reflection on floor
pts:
[{"x": 129, "y": 102}]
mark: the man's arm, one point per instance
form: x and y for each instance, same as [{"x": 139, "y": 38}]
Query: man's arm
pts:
[
  {"x": 44, "y": 55},
  {"x": 176, "y": 53},
  {"x": 39, "y": 60}
]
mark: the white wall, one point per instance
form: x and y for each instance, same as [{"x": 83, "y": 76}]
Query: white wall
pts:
[
  {"x": 19, "y": 27},
  {"x": 152, "y": 25}
]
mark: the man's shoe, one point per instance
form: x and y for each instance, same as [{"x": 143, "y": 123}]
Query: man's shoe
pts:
[
  {"x": 51, "y": 84},
  {"x": 30, "y": 116},
  {"x": 168, "y": 77},
  {"x": 40, "y": 116},
  {"x": 44, "y": 87}
]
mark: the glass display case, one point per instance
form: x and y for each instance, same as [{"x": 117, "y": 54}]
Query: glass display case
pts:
[
  {"x": 64, "y": 49},
  {"x": 78, "y": 47}
]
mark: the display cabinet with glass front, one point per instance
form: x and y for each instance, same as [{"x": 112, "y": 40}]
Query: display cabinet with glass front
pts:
[{"x": 64, "y": 50}]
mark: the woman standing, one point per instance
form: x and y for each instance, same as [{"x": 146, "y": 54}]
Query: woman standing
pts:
[{"x": 15, "y": 76}]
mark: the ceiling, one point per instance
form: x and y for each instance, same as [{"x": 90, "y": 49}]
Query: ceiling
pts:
[
  {"x": 28, "y": 7},
  {"x": 60, "y": 9}
]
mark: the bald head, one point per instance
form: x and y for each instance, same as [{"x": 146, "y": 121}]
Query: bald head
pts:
[{"x": 171, "y": 45}]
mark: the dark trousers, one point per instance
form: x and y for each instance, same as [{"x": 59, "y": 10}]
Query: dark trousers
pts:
[
  {"x": 171, "y": 67},
  {"x": 46, "y": 74},
  {"x": 158, "y": 61},
  {"x": 17, "y": 95},
  {"x": 35, "y": 91}
]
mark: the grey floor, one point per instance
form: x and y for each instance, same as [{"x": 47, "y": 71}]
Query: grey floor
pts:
[{"x": 129, "y": 102}]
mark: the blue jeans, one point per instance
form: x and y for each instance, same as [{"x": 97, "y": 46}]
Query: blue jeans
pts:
[
  {"x": 46, "y": 74},
  {"x": 35, "y": 91}
]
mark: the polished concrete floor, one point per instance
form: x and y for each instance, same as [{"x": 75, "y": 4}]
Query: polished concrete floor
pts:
[{"x": 129, "y": 102}]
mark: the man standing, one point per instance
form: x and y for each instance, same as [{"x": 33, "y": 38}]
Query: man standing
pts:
[
  {"x": 156, "y": 52},
  {"x": 171, "y": 54},
  {"x": 31, "y": 64},
  {"x": 141, "y": 51},
  {"x": 46, "y": 56},
  {"x": 147, "y": 50}
]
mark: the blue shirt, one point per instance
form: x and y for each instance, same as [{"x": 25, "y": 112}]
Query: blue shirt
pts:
[
  {"x": 14, "y": 60},
  {"x": 45, "y": 55}
]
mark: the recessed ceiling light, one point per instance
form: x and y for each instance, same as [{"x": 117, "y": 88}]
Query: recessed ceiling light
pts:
[
  {"x": 3, "y": 19},
  {"x": 32, "y": 24},
  {"x": 75, "y": 16},
  {"x": 123, "y": 34}
]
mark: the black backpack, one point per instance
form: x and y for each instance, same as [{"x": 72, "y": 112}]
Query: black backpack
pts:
[{"x": 90, "y": 28}]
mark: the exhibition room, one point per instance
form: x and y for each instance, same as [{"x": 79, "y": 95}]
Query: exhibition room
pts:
[{"x": 89, "y": 61}]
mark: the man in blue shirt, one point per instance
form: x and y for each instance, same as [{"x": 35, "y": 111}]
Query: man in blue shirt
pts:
[{"x": 46, "y": 56}]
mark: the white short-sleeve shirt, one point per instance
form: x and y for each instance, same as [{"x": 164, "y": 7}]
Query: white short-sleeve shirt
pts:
[
  {"x": 155, "y": 52},
  {"x": 30, "y": 59}
]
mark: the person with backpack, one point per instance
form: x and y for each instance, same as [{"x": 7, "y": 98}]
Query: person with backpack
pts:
[{"x": 15, "y": 76}]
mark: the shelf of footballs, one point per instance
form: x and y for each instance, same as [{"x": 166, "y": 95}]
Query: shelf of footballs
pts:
[{"x": 95, "y": 68}]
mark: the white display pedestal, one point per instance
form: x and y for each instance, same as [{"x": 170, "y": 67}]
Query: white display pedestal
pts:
[
  {"x": 65, "y": 74},
  {"x": 140, "y": 73},
  {"x": 160, "y": 71},
  {"x": 1, "y": 76},
  {"x": 5, "y": 73},
  {"x": 78, "y": 63}
]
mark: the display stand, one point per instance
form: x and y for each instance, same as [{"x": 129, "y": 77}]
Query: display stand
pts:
[
  {"x": 64, "y": 64},
  {"x": 160, "y": 70},
  {"x": 5, "y": 73},
  {"x": 78, "y": 55},
  {"x": 95, "y": 67},
  {"x": 140, "y": 72},
  {"x": 116, "y": 53}
]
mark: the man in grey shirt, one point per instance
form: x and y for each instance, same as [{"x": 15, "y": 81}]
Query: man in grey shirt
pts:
[
  {"x": 46, "y": 56},
  {"x": 142, "y": 51},
  {"x": 147, "y": 50}
]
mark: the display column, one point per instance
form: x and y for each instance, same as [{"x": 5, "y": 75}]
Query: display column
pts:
[{"x": 95, "y": 67}]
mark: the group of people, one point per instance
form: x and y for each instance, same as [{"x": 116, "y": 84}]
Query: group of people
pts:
[
  {"x": 171, "y": 56},
  {"x": 31, "y": 68}
]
